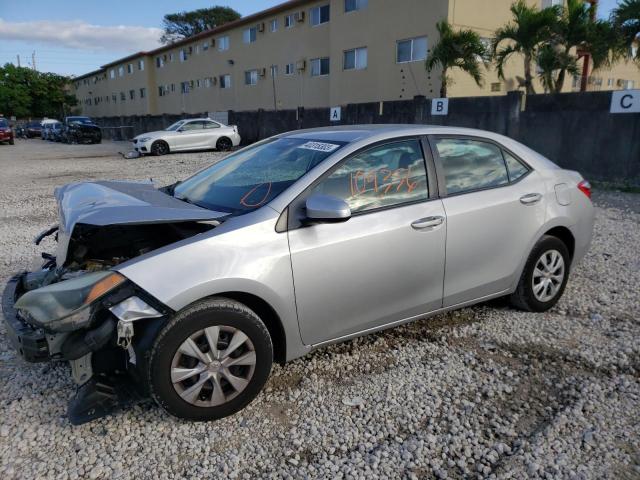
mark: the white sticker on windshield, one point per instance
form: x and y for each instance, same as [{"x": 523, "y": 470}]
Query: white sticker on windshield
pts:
[{"x": 320, "y": 146}]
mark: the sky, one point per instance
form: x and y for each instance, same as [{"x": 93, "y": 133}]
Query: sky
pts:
[{"x": 73, "y": 37}]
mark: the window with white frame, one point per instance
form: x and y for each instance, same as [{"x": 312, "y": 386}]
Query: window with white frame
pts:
[
  {"x": 412, "y": 50},
  {"x": 251, "y": 77},
  {"x": 184, "y": 87},
  {"x": 159, "y": 62},
  {"x": 183, "y": 55},
  {"x": 123, "y": 97},
  {"x": 552, "y": 3},
  {"x": 114, "y": 97},
  {"x": 205, "y": 46},
  {"x": 207, "y": 82},
  {"x": 112, "y": 73},
  {"x": 198, "y": 83},
  {"x": 225, "y": 81},
  {"x": 132, "y": 94},
  {"x": 486, "y": 43},
  {"x": 143, "y": 92},
  {"x": 274, "y": 70},
  {"x": 355, "y": 59},
  {"x": 121, "y": 71},
  {"x": 130, "y": 68},
  {"x": 319, "y": 15},
  {"x": 289, "y": 69},
  {"x": 141, "y": 65},
  {"x": 289, "y": 21},
  {"x": 171, "y": 57},
  {"x": 353, "y": 5},
  {"x": 320, "y": 67},
  {"x": 223, "y": 43},
  {"x": 273, "y": 25},
  {"x": 250, "y": 35}
]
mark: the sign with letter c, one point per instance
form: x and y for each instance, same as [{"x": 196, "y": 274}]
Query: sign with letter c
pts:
[{"x": 625, "y": 101}]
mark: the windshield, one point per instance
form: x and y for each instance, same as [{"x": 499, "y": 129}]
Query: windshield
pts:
[
  {"x": 79, "y": 120},
  {"x": 3, "y": 123},
  {"x": 251, "y": 178},
  {"x": 175, "y": 126}
]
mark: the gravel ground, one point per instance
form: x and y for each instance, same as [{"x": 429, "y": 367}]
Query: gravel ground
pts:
[{"x": 482, "y": 392}]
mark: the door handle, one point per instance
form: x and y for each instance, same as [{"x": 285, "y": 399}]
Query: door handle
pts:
[
  {"x": 530, "y": 198},
  {"x": 428, "y": 222}
]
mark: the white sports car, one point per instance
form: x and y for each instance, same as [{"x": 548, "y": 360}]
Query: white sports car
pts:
[{"x": 189, "y": 134}]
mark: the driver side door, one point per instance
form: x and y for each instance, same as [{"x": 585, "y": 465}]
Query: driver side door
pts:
[
  {"x": 386, "y": 263},
  {"x": 189, "y": 135}
]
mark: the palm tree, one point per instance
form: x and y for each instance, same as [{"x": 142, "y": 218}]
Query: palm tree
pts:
[
  {"x": 626, "y": 17},
  {"x": 461, "y": 49},
  {"x": 524, "y": 35},
  {"x": 553, "y": 63}
]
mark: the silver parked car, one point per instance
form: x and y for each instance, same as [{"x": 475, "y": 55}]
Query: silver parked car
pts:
[
  {"x": 187, "y": 135},
  {"x": 188, "y": 293}
]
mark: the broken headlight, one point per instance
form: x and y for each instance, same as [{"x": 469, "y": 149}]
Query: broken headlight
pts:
[{"x": 64, "y": 306}]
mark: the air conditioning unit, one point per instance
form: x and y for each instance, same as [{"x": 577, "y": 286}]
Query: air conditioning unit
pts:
[
  {"x": 620, "y": 82},
  {"x": 262, "y": 72},
  {"x": 301, "y": 65},
  {"x": 260, "y": 27},
  {"x": 299, "y": 16}
]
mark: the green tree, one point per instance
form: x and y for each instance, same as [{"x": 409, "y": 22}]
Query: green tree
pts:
[
  {"x": 187, "y": 24},
  {"x": 626, "y": 18},
  {"x": 461, "y": 49},
  {"x": 553, "y": 63},
  {"x": 528, "y": 30},
  {"x": 28, "y": 93}
]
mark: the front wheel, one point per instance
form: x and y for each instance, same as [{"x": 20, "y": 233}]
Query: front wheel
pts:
[
  {"x": 159, "y": 148},
  {"x": 210, "y": 361},
  {"x": 544, "y": 277}
]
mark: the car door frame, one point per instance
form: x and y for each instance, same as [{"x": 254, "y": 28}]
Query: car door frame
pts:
[
  {"x": 290, "y": 220},
  {"x": 444, "y": 194}
]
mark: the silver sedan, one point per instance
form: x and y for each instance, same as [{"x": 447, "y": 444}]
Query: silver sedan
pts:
[{"x": 188, "y": 293}]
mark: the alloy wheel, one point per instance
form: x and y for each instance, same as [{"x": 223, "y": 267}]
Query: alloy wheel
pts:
[
  {"x": 548, "y": 275},
  {"x": 213, "y": 366}
]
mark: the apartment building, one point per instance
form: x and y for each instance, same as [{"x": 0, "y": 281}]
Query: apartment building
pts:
[{"x": 307, "y": 53}]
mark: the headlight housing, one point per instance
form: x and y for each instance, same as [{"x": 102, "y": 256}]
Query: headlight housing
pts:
[
  {"x": 144, "y": 139},
  {"x": 65, "y": 306}
]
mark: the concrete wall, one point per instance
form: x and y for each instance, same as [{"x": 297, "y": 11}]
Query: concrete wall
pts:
[{"x": 574, "y": 130}]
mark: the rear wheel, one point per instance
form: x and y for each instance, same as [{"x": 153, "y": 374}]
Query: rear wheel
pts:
[
  {"x": 224, "y": 144},
  {"x": 159, "y": 148},
  {"x": 544, "y": 277},
  {"x": 210, "y": 361}
]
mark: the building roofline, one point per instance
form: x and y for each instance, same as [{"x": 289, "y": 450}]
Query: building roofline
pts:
[{"x": 208, "y": 33}]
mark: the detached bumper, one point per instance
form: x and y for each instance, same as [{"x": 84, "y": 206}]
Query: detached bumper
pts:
[{"x": 29, "y": 341}]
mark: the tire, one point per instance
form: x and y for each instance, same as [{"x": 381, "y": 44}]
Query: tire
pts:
[
  {"x": 12, "y": 141},
  {"x": 159, "y": 148},
  {"x": 531, "y": 295},
  {"x": 194, "y": 398},
  {"x": 224, "y": 144}
]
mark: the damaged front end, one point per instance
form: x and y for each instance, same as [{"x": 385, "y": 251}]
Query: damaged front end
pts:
[{"x": 76, "y": 308}]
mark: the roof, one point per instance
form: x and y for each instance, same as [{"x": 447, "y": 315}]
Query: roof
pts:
[{"x": 208, "y": 33}]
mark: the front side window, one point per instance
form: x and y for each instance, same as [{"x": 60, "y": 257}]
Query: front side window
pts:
[
  {"x": 249, "y": 35},
  {"x": 175, "y": 126},
  {"x": 355, "y": 59},
  {"x": 383, "y": 176},
  {"x": 251, "y": 77},
  {"x": 412, "y": 50},
  {"x": 195, "y": 125},
  {"x": 319, "y": 15},
  {"x": 471, "y": 164},
  {"x": 320, "y": 67},
  {"x": 245, "y": 181},
  {"x": 353, "y": 5}
]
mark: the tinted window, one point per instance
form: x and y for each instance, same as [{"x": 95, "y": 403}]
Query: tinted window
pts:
[
  {"x": 211, "y": 125},
  {"x": 516, "y": 169},
  {"x": 383, "y": 176},
  {"x": 3, "y": 123},
  {"x": 471, "y": 165},
  {"x": 193, "y": 126}
]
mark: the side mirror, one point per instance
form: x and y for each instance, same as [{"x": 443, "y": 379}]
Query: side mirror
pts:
[{"x": 327, "y": 209}]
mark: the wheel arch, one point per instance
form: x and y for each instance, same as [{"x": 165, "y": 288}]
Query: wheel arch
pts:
[{"x": 564, "y": 234}]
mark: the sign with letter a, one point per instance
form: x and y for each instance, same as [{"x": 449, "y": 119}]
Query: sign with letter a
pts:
[
  {"x": 336, "y": 114},
  {"x": 440, "y": 106},
  {"x": 625, "y": 101}
]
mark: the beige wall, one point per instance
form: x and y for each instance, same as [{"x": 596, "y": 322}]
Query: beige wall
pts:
[{"x": 377, "y": 27}]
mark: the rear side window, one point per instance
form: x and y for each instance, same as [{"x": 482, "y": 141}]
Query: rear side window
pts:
[
  {"x": 383, "y": 176},
  {"x": 471, "y": 165},
  {"x": 515, "y": 168}
]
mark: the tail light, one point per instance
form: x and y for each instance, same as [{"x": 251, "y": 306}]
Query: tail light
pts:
[{"x": 585, "y": 187}]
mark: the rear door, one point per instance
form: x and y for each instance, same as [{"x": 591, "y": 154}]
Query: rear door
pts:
[
  {"x": 386, "y": 263},
  {"x": 495, "y": 205}
]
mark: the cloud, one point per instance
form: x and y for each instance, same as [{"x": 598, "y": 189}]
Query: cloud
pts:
[{"x": 81, "y": 35}]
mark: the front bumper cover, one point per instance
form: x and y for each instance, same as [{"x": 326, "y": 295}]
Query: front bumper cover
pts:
[{"x": 29, "y": 341}]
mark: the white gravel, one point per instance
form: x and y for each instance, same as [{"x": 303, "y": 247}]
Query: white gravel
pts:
[{"x": 483, "y": 392}]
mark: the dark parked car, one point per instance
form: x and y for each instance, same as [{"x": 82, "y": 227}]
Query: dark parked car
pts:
[
  {"x": 6, "y": 132},
  {"x": 34, "y": 129},
  {"x": 80, "y": 130}
]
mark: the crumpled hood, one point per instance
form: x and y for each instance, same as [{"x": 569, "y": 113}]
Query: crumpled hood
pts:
[{"x": 120, "y": 203}]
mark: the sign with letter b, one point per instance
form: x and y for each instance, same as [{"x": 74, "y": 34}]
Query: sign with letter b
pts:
[{"x": 440, "y": 106}]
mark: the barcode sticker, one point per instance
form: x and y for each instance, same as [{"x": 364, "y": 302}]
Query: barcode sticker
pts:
[{"x": 320, "y": 146}]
